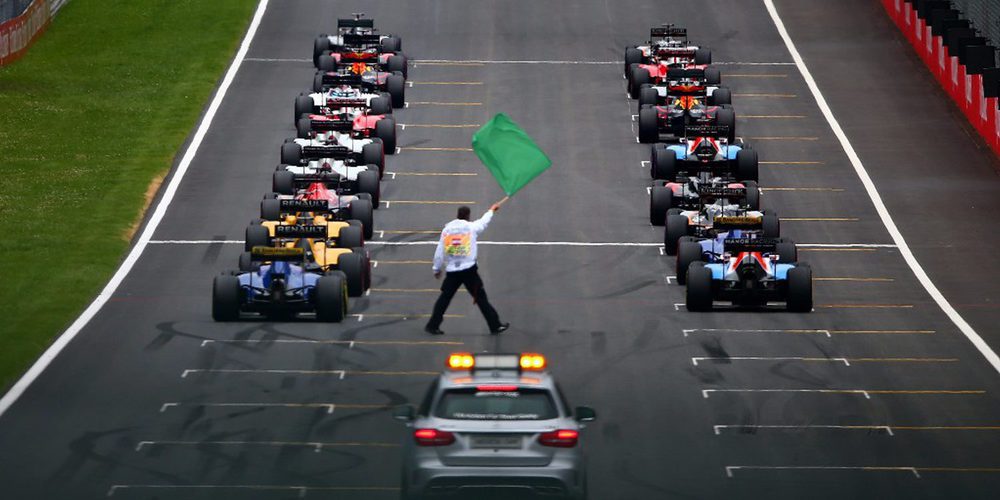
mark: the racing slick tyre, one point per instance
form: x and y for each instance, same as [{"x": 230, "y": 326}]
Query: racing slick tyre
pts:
[
  {"x": 256, "y": 236},
  {"x": 663, "y": 164},
  {"x": 270, "y": 209},
  {"x": 318, "y": 82},
  {"x": 362, "y": 210},
  {"x": 753, "y": 194},
  {"x": 703, "y": 56},
  {"x": 368, "y": 183},
  {"x": 391, "y": 44},
  {"x": 396, "y": 85},
  {"x": 374, "y": 154},
  {"x": 380, "y": 105},
  {"x": 721, "y": 96},
  {"x": 632, "y": 56},
  {"x": 647, "y": 95},
  {"x": 800, "y": 289},
  {"x": 727, "y": 117},
  {"x": 303, "y": 106},
  {"x": 350, "y": 237},
  {"x": 385, "y": 129},
  {"x": 283, "y": 182},
  {"x": 351, "y": 265},
  {"x": 291, "y": 153},
  {"x": 366, "y": 264},
  {"x": 303, "y": 128},
  {"x": 786, "y": 250},
  {"x": 246, "y": 263},
  {"x": 699, "y": 287},
  {"x": 677, "y": 226},
  {"x": 272, "y": 195},
  {"x": 330, "y": 298},
  {"x": 649, "y": 129},
  {"x": 747, "y": 167},
  {"x": 327, "y": 63},
  {"x": 321, "y": 45},
  {"x": 770, "y": 226},
  {"x": 639, "y": 77},
  {"x": 688, "y": 252},
  {"x": 226, "y": 298},
  {"x": 713, "y": 76},
  {"x": 661, "y": 199},
  {"x": 397, "y": 63}
]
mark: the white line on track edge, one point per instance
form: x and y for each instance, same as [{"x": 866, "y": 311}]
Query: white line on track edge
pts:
[
  {"x": 161, "y": 208},
  {"x": 876, "y": 198}
]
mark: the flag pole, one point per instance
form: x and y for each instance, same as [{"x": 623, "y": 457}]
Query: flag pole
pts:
[{"x": 504, "y": 200}]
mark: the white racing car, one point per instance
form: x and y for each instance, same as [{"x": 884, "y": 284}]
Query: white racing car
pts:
[{"x": 334, "y": 144}]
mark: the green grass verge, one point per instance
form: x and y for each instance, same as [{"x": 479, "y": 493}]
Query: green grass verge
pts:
[{"x": 94, "y": 113}]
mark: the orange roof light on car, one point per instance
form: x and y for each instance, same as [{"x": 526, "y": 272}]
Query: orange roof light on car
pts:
[
  {"x": 464, "y": 361},
  {"x": 532, "y": 361},
  {"x": 461, "y": 361}
]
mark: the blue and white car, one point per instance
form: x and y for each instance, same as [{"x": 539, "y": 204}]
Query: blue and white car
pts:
[{"x": 705, "y": 148}]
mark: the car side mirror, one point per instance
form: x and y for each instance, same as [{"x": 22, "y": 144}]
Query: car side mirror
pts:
[
  {"x": 585, "y": 414},
  {"x": 405, "y": 413}
]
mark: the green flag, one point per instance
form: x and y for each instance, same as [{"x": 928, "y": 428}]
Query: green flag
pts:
[{"x": 509, "y": 152}]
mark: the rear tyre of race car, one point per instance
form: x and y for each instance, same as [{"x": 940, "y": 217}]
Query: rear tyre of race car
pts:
[
  {"x": 368, "y": 183},
  {"x": 374, "y": 154},
  {"x": 385, "y": 129},
  {"x": 713, "y": 76},
  {"x": 396, "y": 85},
  {"x": 351, "y": 265},
  {"x": 787, "y": 251},
  {"x": 632, "y": 56},
  {"x": 703, "y": 56},
  {"x": 721, "y": 96},
  {"x": 727, "y": 117},
  {"x": 362, "y": 210},
  {"x": 291, "y": 154},
  {"x": 283, "y": 182},
  {"x": 698, "y": 296},
  {"x": 327, "y": 63},
  {"x": 303, "y": 128},
  {"x": 639, "y": 77},
  {"x": 246, "y": 263},
  {"x": 770, "y": 226},
  {"x": 661, "y": 199},
  {"x": 747, "y": 167},
  {"x": 688, "y": 252},
  {"x": 381, "y": 105},
  {"x": 677, "y": 226},
  {"x": 391, "y": 44},
  {"x": 800, "y": 289},
  {"x": 318, "y": 82},
  {"x": 256, "y": 236},
  {"x": 649, "y": 130},
  {"x": 753, "y": 194},
  {"x": 366, "y": 264},
  {"x": 226, "y": 298},
  {"x": 647, "y": 95},
  {"x": 270, "y": 209},
  {"x": 330, "y": 298},
  {"x": 350, "y": 237},
  {"x": 397, "y": 63},
  {"x": 663, "y": 163},
  {"x": 303, "y": 106},
  {"x": 322, "y": 44}
]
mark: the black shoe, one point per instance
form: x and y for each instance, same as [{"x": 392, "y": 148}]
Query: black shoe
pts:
[
  {"x": 433, "y": 331},
  {"x": 500, "y": 329}
]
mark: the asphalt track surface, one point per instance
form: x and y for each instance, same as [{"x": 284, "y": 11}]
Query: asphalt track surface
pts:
[{"x": 876, "y": 394}]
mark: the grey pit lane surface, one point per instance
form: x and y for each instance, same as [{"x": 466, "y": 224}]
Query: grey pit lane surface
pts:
[{"x": 114, "y": 408}]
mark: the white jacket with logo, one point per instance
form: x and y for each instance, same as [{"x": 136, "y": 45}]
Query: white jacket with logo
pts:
[{"x": 456, "y": 250}]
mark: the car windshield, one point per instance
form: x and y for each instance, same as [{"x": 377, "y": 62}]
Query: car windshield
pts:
[{"x": 505, "y": 404}]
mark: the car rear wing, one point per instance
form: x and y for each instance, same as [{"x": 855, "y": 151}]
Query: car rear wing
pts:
[
  {"x": 261, "y": 253},
  {"x": 333, "y": 79},
  {"x": 736, "y": 245},
  {"x": 737, "y": 222},
  {"x": 685, "y": 74},
  {"x": 298, "y": 206},
  {"x": 346, "y": 102},
  {"x": 345, "y": 23},
  {"x": 334, "y": 152},
  {"x": 300, "y": 231},
  {"x": 357, "y": 40},
  {"x": 667, "y": 32},
  {"x": 336, "y": 125},
  {"x": 722, "y": 192},
  {"x": 700, "y": 130}
]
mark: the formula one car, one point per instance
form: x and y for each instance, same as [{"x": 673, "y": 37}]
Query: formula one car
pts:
[
  {"x": 357, "y": 40},
  {"x": 363, "y": 77},
  {"x": 332, "y": 175},
  {"x": 334, "y": 144},
  {"x": 720, "y": 209},
  {"x": 328, "y": 245},
  {"x": 281, "y": 287},
  {"x": 342, "y": 99},
  {"x": 703, "y": 80},
  {"x": 667, "y": 45},
  {"x": 686, "y": 195},
  {"x": 705, "y": 148},
  {"x": 321, "y": 200},
  {"x": 382, "y": 127},
  {"x": 750, "y": 272},
  {"x": 679, "y": 113}
]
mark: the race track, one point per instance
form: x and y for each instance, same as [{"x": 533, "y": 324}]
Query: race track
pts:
[{"x": 876, "y": 394}]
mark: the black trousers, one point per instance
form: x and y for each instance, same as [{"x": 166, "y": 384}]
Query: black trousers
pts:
[{"x": 474, "y": 284}]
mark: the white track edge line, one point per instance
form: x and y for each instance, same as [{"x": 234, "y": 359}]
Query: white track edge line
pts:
[
  {"x": 77, "y": 326},
  {"x": 876, "y": 198}
]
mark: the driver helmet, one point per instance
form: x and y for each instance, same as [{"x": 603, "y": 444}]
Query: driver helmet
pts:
[{"x": 341, "y": 91}]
